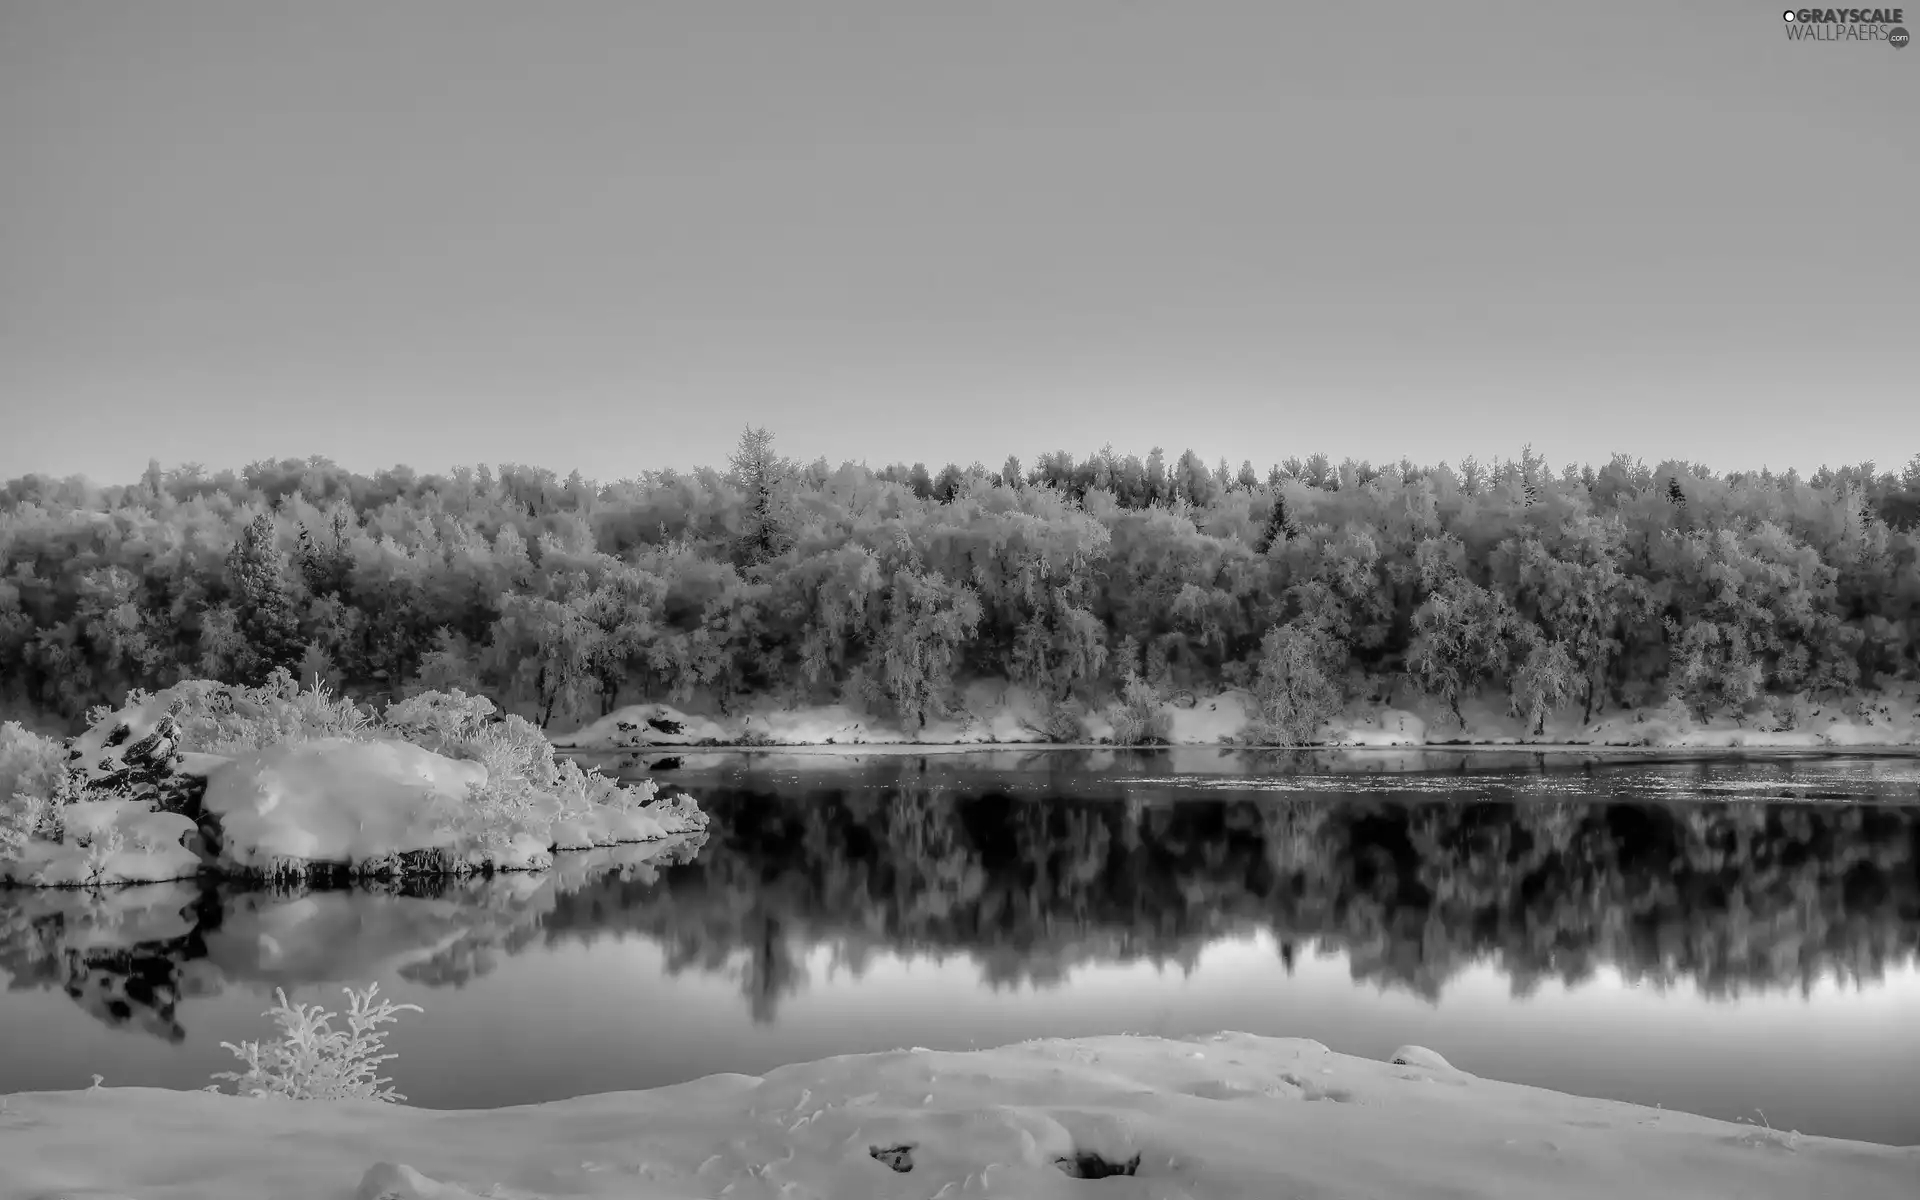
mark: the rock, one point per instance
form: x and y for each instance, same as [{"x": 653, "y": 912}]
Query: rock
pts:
[
  {"x": 134, "y": 754},
  {"x": 1420, "y": 1056}
]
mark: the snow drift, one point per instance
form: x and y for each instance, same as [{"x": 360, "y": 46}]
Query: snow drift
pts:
[{"x": 1229, "y": 1117}]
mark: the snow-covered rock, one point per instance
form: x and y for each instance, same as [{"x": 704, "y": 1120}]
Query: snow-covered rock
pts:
[
  {"x": 135, "y": 754},
  {"x": 642, "y": 725},
  {"x": 337, "y": 801},
  {"x": 333, "y": 800}
]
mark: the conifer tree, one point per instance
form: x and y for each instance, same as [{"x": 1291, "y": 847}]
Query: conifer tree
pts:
[{"x": 263, "y": 602}]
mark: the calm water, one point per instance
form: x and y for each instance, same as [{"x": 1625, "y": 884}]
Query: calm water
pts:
[{"x": 1716, "y": 936}]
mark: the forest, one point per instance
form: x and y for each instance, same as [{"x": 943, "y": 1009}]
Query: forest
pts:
[{"x": 1100, "y": 580}]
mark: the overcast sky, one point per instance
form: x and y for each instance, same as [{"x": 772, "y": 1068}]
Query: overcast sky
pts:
[{"x": 607, "y": 235}]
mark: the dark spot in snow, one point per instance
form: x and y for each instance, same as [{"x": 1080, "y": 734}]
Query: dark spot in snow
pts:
[
  {"x": 665, "y": 764},
  {"x": 625, "y": 726},
  {"x": 120, "y": 734},
  {"x": 900, "y": 1157},
  {"x": 1084, "y": 1165},
  {"x": 664, "y": 725},
  {"x": 75, "y": 755}
]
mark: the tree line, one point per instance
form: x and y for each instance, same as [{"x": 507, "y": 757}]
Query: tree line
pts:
[{"x": 1083, "y": 579}]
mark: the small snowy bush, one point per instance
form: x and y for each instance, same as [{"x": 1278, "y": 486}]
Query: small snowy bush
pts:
[
  {"x": 1060, "y": 721},
  {"x": 33, "y": 785},
  {"x": 438, "y": 720},
  {"x": 217, "y": 718},
  {"x": 1138, "y": 719},
  {"x": 514, "y": 748},
  {"x": 313, "y": 1060}
]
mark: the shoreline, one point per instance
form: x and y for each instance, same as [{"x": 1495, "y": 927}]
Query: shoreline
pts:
[
  {"x": 994, "y": 716},
  {"x": 1228, "y": 1114},
  {"x": 907, "y": 749}
]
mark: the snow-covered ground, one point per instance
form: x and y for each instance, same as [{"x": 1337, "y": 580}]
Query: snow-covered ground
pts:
[
  {"x": 1000, "y": 714},
  {"x": 202, "y": 776},
  {"x": 1220, "y": 1118}
]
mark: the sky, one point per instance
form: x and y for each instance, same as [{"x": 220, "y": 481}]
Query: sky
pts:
[{"x": 607, "y": 236}]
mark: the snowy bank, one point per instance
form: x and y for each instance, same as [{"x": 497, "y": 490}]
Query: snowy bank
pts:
[
  {"x": 274, "y": 781},
  {"x": 987, "y": 714},
  {"x": 1221, "y": 1118}
]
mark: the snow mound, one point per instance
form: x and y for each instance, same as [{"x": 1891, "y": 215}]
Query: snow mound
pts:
[
  {"x": 364, "y": 804},
  {"x": 1226, "y": 1116},
  {"x": 1388, "y": 727},
  {"x": 833, "y": 723},
  {"x": 1211, "y": 719},
  {"x": 337, "y": 801},
  {"x": 1420, "y": 1056},
  {"x": 107, "y": 842},
  {"x": 392, "y": 1181}
]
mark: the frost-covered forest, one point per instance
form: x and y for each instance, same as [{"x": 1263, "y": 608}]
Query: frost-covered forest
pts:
[{"x": 1308, "y": 582}]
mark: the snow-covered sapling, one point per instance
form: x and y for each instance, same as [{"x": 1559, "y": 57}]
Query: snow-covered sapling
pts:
[{"x": 313, "y": 1060}]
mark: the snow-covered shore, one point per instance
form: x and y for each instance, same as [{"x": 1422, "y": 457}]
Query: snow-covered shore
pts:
[
  {"x": 1217, "y": 1118},
  {"x": 1000, "y": 714}
]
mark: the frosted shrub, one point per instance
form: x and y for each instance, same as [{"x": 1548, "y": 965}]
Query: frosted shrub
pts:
[
  {"x": 33, "y": 781},
  {"x": 101, "y": 847},
  {"x": 515, "y": 748},
  {"x": 215, "y": 718},
  {"x": 494, "y": 812},
  {"x": 315, "y": 1061},
  {"x": 1138, "y": 720},
  {"x": 315, "y": 712},
  {"x": 436, "y": 720},
  {"x": 1060, "y": 721},
  {"x": 28, "y": 762},
  {"x": 579, "y": 788}
]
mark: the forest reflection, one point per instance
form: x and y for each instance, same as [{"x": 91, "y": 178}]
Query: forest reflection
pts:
[{"x": 1726, "y": 897}]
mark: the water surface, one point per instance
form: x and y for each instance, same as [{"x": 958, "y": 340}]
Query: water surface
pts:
[{"x": 1726, "y": 937}]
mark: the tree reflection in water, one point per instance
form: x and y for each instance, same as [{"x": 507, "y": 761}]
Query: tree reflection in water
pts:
[{"x": 1411, "y": 885}]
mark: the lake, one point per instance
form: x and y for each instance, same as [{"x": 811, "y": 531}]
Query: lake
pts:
[{"x": 1729, "y": 937}]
